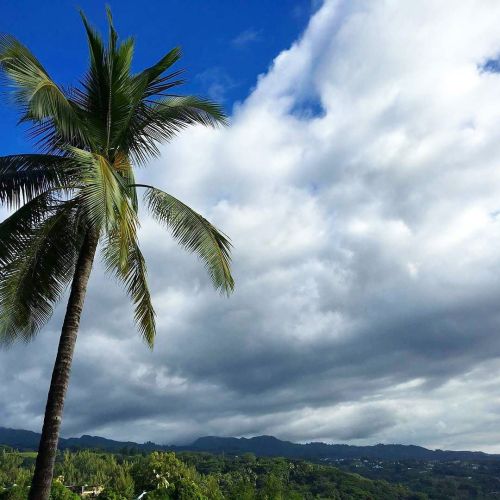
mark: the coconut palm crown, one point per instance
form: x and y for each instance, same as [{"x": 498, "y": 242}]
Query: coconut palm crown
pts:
[{"x": 79, "y": 191}]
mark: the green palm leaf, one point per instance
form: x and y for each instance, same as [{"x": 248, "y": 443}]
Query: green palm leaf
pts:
[
  {"x": 17, "y": 230},
  {"x": 194, "y": 233},
  {"x": 150, "y": 81},
  {"x": 133, "y": 274},
  {"x": 97, "y": 131},
  {"x": 84, "y": 190},
  {"x": 32, "y": 281},
  {"x": 159, "y": 121},
  {"x": 100, "y": 197},
  {"x": 24, "y": 177},
  {"x": 39, "y": 98}
]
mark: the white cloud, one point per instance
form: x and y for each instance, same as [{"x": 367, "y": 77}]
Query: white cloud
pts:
[
  {"x": 359, "y": 183},
  {"x": 246, "y": 37}
]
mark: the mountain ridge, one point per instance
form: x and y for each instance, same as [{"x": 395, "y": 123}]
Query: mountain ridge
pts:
[{"x": 259, "y": 445}]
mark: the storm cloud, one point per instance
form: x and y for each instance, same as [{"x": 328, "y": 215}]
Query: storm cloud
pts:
[{"x": 360, "y": 185}]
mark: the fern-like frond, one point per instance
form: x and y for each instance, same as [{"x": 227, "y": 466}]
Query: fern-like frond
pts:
[
  {"x": 100, "y": 197},
  {"x": 33, "y": 280},
  {"x": 195, "y": 234},
  {"x": 151, "y": 82},
  {"x": 133, "y": 274},
  {"x": 107, "y": 96},
  {"x": 161, "y": 120},
  {"x": 40, "y": 99},
  {"x": 190, "y": 110},
  {"x": 24, "y": 177},
  {"x": 95, "y": 134},
  {"x": 17, "y": 229}
]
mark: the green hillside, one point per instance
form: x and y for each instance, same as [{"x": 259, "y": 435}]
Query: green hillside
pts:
[{"x": 196, "y": 476}]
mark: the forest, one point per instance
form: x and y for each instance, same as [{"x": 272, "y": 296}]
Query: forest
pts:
[{"x": 189, "y": 475}]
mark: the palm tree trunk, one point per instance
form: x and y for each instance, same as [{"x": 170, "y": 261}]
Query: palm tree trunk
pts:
[{"x": 44, "y": 468}]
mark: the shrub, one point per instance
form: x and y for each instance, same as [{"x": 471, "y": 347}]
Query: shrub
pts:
[{"x": 60, "y": 492}]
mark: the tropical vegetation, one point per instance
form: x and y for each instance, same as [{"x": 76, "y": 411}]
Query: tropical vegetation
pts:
[
  {"x": 79, "y": 191},
  {"x": 195, "y": 476}
]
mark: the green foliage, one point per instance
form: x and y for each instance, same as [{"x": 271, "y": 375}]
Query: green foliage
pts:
[
  {"x": 165, "y": 472},
  {"x": 210, "y": 487},
  {"x": 194, "y": 233},
  {"x": 110, "y": 494},
  {"x": 238, "y": 485},
  {"x": 272, "y": 488},
  {"x": 37, "y": 271},
  {"x": 103, "y": 469},
  {"x": 9, "y": 467},
  {"x": 82, "y": 182},
  {"x": 159, "y": 494},
  {"x": 121, "y": 482},
  {"x": 14, "y": 493},
  {"x": 11, "y": 470},
  {"x": 204, "y": 476},
  {"x": 60, "y": 492},
  {"x": 180, "y": 477}
]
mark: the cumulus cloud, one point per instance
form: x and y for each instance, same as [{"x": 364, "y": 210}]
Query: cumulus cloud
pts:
[{"x": 359, "y": 183}]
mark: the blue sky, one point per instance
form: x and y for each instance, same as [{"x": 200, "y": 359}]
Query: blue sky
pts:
[
  {"x": 226, "y": 43},
  {"x": 359, "y": 182}
]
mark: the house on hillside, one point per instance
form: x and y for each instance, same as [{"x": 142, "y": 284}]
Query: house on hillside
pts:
[{"x": 86, "y": 491}]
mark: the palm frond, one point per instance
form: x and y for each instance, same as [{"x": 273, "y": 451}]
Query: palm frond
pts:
[
  {"x": 106, "y": 94},
  {"x": 151, "y": 81},
  {"x": 195, "y": 234},
  {"x": 183, "y": 111},
  {"x": 139, "y": 89},
  {"x": 17, "y": 229},
  {"x": 34, "y": 279},
  {"x": 161, "y": 120},
  {"x": 95, "y": 134},
  {"x": 126, "y": 175},
  {"x": 113, "y": 35},
  {"x": 40, "y": 99},
  {"x": 93, "y": 97},
  {"x": 24, "y": 177},
  {"x": 132, "y": 272},
  {"x": 100, "y": 197}
]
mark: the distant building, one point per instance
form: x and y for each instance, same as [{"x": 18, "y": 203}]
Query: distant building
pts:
[{"x": 86, "y": 491}]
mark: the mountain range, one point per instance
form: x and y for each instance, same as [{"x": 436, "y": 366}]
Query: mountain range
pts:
[{"x": 259, "y": 445}]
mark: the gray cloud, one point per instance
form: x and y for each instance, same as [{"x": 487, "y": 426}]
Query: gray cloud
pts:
[{"x": 366, "y": 254}]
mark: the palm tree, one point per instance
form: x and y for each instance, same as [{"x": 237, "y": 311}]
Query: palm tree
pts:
[{"x": 79, "y": 192}]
